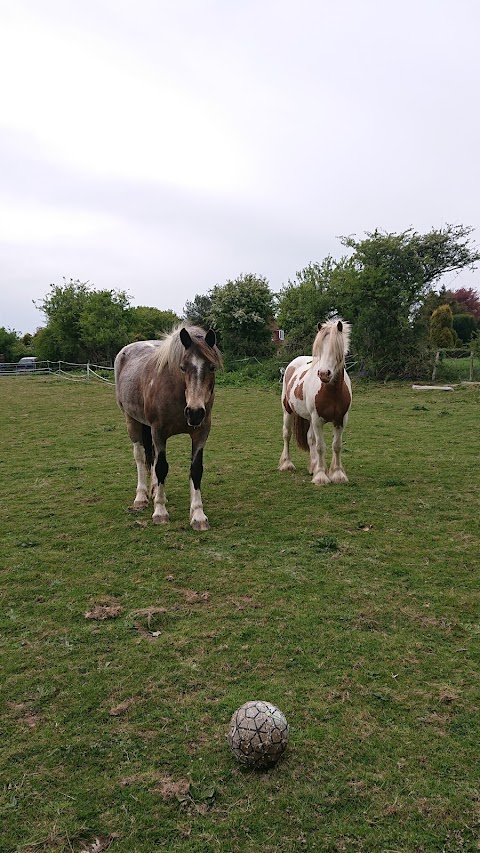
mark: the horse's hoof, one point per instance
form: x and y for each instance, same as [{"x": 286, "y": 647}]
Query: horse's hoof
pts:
[
  {"x": 160, "y": 519},
  {"x": 338, "y": 477},
  {"x": 286, "y": 466},
  {"x": 200, "y": 524},
  {"x": 137, "y": 506},
  {"x": 320, "y": 479}
]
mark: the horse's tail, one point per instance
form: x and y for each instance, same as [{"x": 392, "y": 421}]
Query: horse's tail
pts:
[
  {"x": 148, "y": 445},
  {"x": 300, "y": 430}
]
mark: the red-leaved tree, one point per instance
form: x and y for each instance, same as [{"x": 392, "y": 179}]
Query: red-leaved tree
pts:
[{"x": 468, "y": 301}]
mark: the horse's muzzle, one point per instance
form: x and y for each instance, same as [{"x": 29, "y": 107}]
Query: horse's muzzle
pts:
[
  {"x": 325, "y": 375},
  {"x": 195, "y": 417}
]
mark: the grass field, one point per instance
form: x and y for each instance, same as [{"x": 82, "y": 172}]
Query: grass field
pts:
[{"x": 353, "y": 608}]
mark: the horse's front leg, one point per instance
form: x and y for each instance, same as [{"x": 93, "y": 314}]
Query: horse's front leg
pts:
[
  {"x": 160, "y": 514},
  {"x": 337, "y": 472},
  {"x": 312, "y": 444},
  {"x": 198, "y": 519},
  {"x": 285, "y": 463},
  {"x": 320, "y": 476}
]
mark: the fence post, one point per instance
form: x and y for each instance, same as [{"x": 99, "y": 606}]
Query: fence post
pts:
[
  {"x": 435, "y": 365},
  {"x": 88, "y": 370},
  {"x": 471, "y": 365}
]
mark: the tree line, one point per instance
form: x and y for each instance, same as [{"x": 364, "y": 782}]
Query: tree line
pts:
[
  {"x": 85, "y": 324},
  {"x": 388, "y": 285}
]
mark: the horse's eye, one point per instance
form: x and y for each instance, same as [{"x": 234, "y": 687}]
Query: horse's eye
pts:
[{"x": 182, "y": 368}]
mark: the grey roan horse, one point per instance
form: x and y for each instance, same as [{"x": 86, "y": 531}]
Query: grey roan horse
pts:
[{"x": 165, "y": 388}]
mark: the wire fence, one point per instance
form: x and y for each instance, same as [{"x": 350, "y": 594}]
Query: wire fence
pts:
[
  {"x": 448, "y": 364},
  {"x": 61, "y": 369},
  {"x": 464, "y": 358}
]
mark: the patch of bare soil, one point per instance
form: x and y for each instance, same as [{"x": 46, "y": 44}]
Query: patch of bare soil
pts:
[{"x": 104, "y": 610}]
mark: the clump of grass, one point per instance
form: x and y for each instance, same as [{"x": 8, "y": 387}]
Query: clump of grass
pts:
[{"x": 326, "y": 543}]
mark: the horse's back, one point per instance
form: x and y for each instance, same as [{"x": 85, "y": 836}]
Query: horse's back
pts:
[
  {"x": 299, "y": 361},
  {"x": 134, "y": 353},
  {"x": 133, "y": 357},
  {"x": 131, "y": 367},
  {"x": 302, "y": 361},
  {"x": 293, "y": 397}
]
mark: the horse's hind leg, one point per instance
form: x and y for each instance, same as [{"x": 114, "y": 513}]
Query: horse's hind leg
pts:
[
  {"x": 337, "y": 471},
  {"x": 285, "y": 463},
  {"x": 134, "y": 429},
  {"x": 141, "y": 495}
]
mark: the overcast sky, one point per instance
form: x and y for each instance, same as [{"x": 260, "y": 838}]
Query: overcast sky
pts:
[{"x": 165, "y": 147}]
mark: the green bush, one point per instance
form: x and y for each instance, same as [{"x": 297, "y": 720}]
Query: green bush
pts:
[
  {"x": 238, "y": 372},
  {"x": 464, "y": 325}
]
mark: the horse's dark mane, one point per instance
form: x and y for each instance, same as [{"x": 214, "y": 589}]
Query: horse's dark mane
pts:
[{"x": 172, "y": 350}]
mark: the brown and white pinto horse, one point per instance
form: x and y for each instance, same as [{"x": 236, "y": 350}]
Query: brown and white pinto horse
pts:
[
  {"x": 317, "y": 390},
  {"x": 165, "y": 388}
]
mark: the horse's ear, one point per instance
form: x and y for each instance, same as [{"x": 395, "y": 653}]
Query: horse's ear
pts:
[
  {"x": 340, "y": 326},
  {"x": 211, "y": 338},
  {"x": 319, "y": 326},
  {"x": 185, "y": 338}
]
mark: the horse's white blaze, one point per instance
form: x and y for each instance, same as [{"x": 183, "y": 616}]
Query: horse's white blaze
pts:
[{"x": 194, "y": 391}]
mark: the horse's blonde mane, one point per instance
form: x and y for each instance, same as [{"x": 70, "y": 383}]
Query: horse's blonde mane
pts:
[
  {"x": 171, "y": 350},
  {"x": 339, "y": 341}
]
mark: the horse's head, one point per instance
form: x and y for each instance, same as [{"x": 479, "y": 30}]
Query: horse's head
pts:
[
  {"x": 330, "y": 347},
  {"x": 199, "y": 360}
]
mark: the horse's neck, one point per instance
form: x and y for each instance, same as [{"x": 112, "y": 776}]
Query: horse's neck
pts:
[
  {"x": 340, "y": 375},
  {"x": 168, "y": 378}
]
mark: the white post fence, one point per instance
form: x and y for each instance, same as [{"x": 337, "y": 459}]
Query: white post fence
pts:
[
  {"x": 60, "y": 369},
  {"x": 437, "y": 362}
]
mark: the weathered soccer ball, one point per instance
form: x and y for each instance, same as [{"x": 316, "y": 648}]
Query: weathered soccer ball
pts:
[{"x": 258, "y": 734}]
